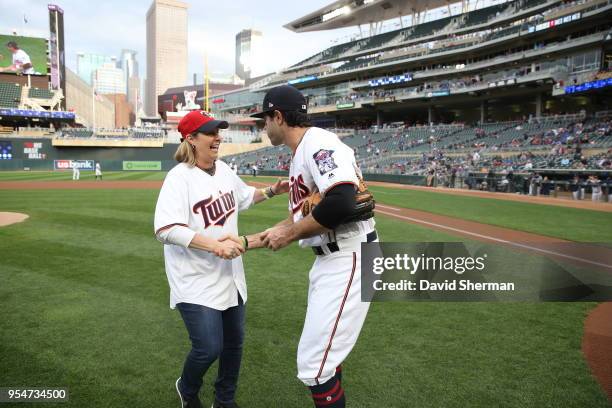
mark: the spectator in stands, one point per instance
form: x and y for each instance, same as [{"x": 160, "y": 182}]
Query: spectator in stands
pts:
[{"x": 21, "y": 60}]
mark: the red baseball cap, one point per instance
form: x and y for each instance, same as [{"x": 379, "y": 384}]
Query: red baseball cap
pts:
[{"x": 200, "y": 121}]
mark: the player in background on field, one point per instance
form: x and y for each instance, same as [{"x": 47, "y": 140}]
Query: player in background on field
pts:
[
  {"x": 98, "y": 171},
  {"x": 76, "y": 173}
]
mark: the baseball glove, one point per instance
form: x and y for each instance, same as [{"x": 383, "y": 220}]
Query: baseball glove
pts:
[{"x": 364, "y": 204}]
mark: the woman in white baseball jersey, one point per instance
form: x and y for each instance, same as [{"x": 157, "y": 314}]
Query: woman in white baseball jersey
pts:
[{"x": 197, "y": 219}]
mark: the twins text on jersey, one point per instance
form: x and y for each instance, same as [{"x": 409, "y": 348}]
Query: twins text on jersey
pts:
[
  {"x": 298, "y": 191},
  {"x": 216, "y": 211}
]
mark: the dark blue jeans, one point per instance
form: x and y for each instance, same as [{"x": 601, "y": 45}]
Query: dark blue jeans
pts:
[{"x": 213, "y": 334}]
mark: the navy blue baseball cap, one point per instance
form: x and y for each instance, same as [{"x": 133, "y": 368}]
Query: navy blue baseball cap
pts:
[{"x": 282, "y": 98}]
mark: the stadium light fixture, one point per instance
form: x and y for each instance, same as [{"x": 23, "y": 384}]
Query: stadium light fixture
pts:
[{"x": 342, "y": 11}]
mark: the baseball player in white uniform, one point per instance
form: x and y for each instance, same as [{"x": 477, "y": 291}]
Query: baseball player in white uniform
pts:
[
  {"x": 76, "y": 173},
  {"x": 98, "y": 171},
  {"x": 335, "y": 314},
  {"x": 21, "y": 60},
  {"x": 196, "y": 217}
]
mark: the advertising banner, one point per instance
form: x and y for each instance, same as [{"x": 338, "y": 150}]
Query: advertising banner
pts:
[
  {"x": 33, "y": 151},
  {"x": 142, "y": 165},
  {"x": 69, "y": 164}
]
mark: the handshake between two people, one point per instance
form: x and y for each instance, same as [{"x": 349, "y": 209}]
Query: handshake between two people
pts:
[{"x": 231, "y": 246}]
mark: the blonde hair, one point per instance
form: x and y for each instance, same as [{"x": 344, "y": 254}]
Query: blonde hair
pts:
[{"x": 185, "y": 154}]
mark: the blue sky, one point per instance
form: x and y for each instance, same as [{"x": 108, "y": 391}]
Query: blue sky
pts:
[{"x": 105, "y": 27}]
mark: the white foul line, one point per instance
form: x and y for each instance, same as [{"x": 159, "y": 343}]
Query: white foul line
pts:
[
  {"x": 488, "y": 237},
  {"x": 390, "y": 208}
]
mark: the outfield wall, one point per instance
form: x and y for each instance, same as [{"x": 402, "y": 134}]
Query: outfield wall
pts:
[{"x": 40, "y": 154}]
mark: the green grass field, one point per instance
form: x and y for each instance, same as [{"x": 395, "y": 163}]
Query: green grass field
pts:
[{"x": 85, "y": 305}]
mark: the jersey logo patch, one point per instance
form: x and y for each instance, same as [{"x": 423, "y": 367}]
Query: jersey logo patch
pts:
[
  {"x": 216, "y": 211},
  {"x": 325, "y": 160}
]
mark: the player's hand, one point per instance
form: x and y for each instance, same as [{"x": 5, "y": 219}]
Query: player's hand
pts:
[
  {"x": 276, "y": 238},
  {"x": 228, "y": 249},
  {"x": 280, "y": 187}
]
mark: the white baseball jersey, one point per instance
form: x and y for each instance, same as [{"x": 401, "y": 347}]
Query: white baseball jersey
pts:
[
  {"x": 321, "y": 161},
  {"x": 335, "y": 313},
  {"x": 20, "y": 58},
  {"x": 208, "y": 205}
]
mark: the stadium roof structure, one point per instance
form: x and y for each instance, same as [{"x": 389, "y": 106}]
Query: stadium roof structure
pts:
[{"x": 347, "y": 13}]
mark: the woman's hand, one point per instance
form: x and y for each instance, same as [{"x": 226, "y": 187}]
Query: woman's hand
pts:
[
  {"x": 280, "y": 187},
  {"x": 228, "y": 249}
]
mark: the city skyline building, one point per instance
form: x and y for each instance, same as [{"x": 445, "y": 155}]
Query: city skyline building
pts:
[
  {"x": 249, "y": 54},
  {"x": 108, "y": 79},
  {"x": 87, "y": 64},
  {"x": 166, "y": 22},
  {"x": 129, "y": 65}
]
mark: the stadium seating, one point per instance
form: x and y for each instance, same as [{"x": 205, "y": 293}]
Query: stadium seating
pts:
[
  {"x": 439, "y": 26},
  {"x": 40, "y": 93},
  {"x": 142, "y": 133},
  {"x": 76, "y": 132},
  {"x": 357, "y": 63},
  {"x": 119, "y": 134},
  {"x": 379, "y": 40},
  {"x": 425, "y": 29},
  {"x": 527, "y": 4},
  {"x": 547, "y": 142},
  {"x": 483, "y": 15},
  {"x": 403, "y": 34},
  {"x": 10, "y": 95}
]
